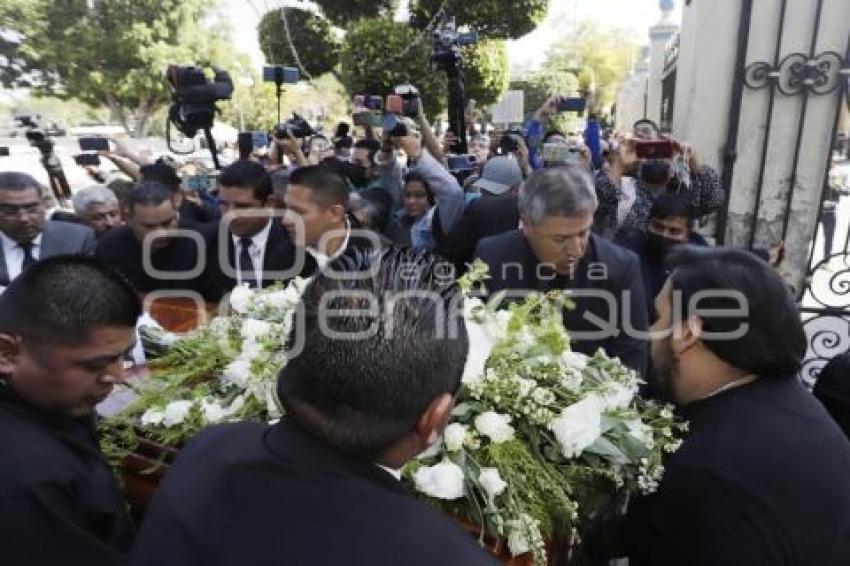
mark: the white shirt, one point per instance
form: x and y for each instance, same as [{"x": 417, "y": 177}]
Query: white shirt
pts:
[
  {"x": 257, "y": 251},
  {"x": 321, "y": 259},
  {"x": 392, "y": 471},
  {"x": 14, "y": 254}
]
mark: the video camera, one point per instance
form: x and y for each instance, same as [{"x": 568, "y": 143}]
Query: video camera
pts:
[
  {"x": 194, "y": 96},
  {"x": 447, "y": 41},
  {"x": 295, "y": 127}
]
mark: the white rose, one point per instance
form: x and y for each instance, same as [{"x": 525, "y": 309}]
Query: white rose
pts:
[
  {"x": 240, "y": 298},
  {"x": 237, "y": 373},
  {"x": 617, "y": 396},
  {"x": 176, "y": 412},
  {"x": 578, "y": 426},
  {"x": 480, "y": 346},
  {"x": 575, "y": 360},
  {"x": 492, "y": 482},
  {"x": 271, "y": 299},
  {"x": 153, "y": 417},
  {"x": 214, "y": 412},
  {"x": 453, "y": 436},
  {"x": 495, "y": 426},
  {"x": 443, "y": 481}
]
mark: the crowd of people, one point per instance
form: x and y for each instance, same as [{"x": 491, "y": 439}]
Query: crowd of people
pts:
[{"x": 762, "y": 477}]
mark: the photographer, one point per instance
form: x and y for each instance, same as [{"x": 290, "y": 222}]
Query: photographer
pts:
[{"x": 627, "y": 191}]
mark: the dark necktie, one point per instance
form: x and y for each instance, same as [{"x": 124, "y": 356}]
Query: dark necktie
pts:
[
  {"x": 28, "y": 259},
  {"x": 246, "y": 264}
]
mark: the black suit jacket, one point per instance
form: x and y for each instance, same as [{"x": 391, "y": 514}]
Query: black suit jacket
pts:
[
  {"x": 763, "y": 478},
  {"x": 59, "y": 501},
  {"x": 279, "y": 256},
  {"x": 486, "y": 216},
  {"x": 252, "y": 494},
  {"x": 120, "y": 249},
  {"x": 606, "y": 269}
]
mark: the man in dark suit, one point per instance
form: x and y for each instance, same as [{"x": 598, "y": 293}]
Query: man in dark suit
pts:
[
  {"x": 555, "y": 249},
  {"x": 321, "y": 486},
  {"x": 317, "y": 222},
  {"x": 65, "y": 326},
  {"x": 169, "y": 261},
  {"x": 762, "y": 476},
  {"x": 25, "y": 235},
  {"x": 250, "y": 245}
]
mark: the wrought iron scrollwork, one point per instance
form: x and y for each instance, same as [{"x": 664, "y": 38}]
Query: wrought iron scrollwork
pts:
[
  {"x": 826, "y": 314},
  {"x": 797, "y": 73}
]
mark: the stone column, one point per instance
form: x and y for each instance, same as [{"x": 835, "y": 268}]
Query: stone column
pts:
[
  {"x": 704, "y": 88},
  {"x": 632, "y": 97},
  {"x": 659, "y": 36}
]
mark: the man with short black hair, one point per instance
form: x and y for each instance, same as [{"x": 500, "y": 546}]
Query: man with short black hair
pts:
[
  {"x": 65, "y": 326},
  {"x": 25, "y": 235},
  {"x": 554, "y": 249},
  {"x": 172, "y": 259},
  {"x": 255, "y": 244},
  {"x": 317, "y": 222},
  {"x": 321, "y": 485},
  {"x": 192, "y": 212},
  {"x": 762, "y": 476}
]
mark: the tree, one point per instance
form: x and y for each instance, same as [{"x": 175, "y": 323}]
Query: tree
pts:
[
  {"x": 372, "y": 62},
  {"x": 599, "y": 58},
  {"x": 311, "y": 35},
  {"x": 485, "y": 67},
  {"x": 110, "y": 52},
  {"x": 343, "y": 13},
  {"x": 502, "y": 19}
]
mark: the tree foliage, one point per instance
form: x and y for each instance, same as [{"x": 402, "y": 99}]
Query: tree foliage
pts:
[
  {"x": 486, "y": 71},
  {"x": 343, "y": 13},
  {"x": 111, "y": 52},
  {"x": 503, "y": 19},
  {"x": 600, "y": 59},
  {"x": 312, "y": 37},
  {"x": 370, "y": 62}
]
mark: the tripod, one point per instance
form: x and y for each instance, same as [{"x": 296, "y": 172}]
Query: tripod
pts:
[{"x": 457, "y": 119}]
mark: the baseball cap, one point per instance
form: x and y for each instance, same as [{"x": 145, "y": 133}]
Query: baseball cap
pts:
[{"x": 499, "y": 175}]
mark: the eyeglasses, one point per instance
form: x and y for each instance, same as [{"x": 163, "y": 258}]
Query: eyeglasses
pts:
[{"x": 13, "y": 210}]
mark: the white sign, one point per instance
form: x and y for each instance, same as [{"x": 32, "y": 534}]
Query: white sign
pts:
[{"x": 511, "y": 109}]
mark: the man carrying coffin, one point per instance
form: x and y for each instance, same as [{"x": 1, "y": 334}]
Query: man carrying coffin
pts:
[
  {"x": 555, "y": 249},
  {"x": 372, "y": 387},
  {"x": 65, "y": 326}
]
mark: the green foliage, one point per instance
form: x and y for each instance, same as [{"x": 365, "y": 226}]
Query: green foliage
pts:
[
  {"x": 311, "y": 35},
  {"x": 113, "y": 53},
  {"x": 342, "y": 13},
  {"x": 486, "y": 71},
  {"x": 600, "y": 58},
  {"x": 369, "y": 62},
  {"x": 502, "y": 19}
]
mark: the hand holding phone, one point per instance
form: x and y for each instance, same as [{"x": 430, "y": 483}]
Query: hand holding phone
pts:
[
  {"x": 87, "y": 159},
  {"x": 94, "y": 144}
]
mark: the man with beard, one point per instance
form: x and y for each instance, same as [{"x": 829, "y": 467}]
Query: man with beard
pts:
[
  {"x": 761, "y": 477},
  {"x": 66, "y": 325}
]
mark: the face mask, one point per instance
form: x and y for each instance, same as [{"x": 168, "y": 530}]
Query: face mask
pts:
[
  {"x": 658, "y": 246},
  {"x": 358, "y": 175},
  {"x": 655, "y": 172}
]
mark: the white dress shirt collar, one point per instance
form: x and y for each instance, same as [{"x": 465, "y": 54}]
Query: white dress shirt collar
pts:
[
  {"x": 321, "y": 259},
  {"x": 13, "y": 253},
  {"x": 257, "y": 251}
]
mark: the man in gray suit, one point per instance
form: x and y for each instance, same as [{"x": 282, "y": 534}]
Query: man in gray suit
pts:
[{"x": 25, "y": 235}]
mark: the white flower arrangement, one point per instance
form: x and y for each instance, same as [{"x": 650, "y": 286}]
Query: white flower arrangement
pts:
[{"x": 538, "y": 427}]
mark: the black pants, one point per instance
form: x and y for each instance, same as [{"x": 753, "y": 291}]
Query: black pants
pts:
[{"x": 827, "y": 220}]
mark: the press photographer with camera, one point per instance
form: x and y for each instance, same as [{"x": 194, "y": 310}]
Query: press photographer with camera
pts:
[
  {"x": 643, "y": 168},
  {"x": 287, "y": 139}
]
